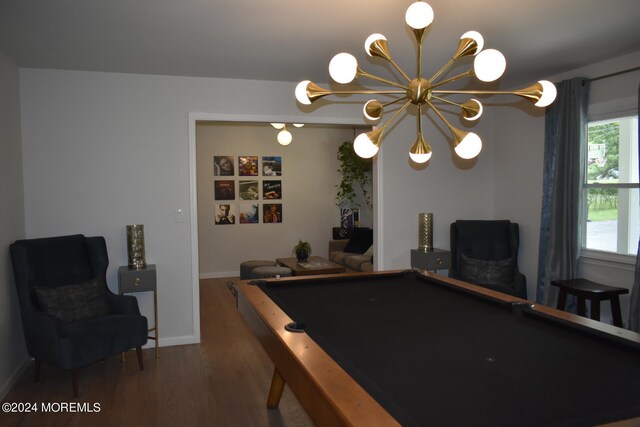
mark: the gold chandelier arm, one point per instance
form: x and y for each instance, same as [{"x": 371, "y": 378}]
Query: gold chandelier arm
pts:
[
  {"x": 451, "y": 79},
  {"x": 446, "y": 101},
  {"x": 380, "y": 79},
  {"x": 315, "y": 92},
  {"x": 367, "y": 92},
  {"x": 397, "y": 67},
  {"x": 404, "y": 107},
  {"x": 471, "y": 109},
  {"x": 444, "y": 68},
  {"x": 393, "y": 102},
  {"x": 419, "y": 34},
  {"x": 532, "y": 93},
  {"x": 435, "y": 110}
]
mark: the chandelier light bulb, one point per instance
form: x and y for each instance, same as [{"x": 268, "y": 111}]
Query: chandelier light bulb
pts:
[
  {"x": 472, "y": 109},
  {"x": 489, "y": 65},
  {"x": 469, "y": 147},
  {"x": 277, "y": 125},
  {"x": 372, "y": 110},
  {"x": 419, "y": 15},
  {"x": 420, "y": 158},
  {"x": 420, "y": 151},
  {"x": 477, "y": 37},
  {"x": 372, "y": 39},
  {"x": 364, "y": 147},
  {"x": 343, "y": 68},
  {"x": 284, "y": 137},
  {"x": 298, "y": 125},
  {"x": 301, "y": 92},
  {"x": 549, "y": 93}
]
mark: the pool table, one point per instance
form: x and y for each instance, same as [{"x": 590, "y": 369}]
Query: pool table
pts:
[{"x": 416, "y": 348}]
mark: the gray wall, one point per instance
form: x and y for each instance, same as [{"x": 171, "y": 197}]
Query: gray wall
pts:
[
  {"x": 13, "y": 356},
  {"x": 103, "y": 150},
  {"x": 308, "y": 179}
]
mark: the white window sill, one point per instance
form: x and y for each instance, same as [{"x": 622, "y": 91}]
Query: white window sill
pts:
[{"x": 608, "y": 259}]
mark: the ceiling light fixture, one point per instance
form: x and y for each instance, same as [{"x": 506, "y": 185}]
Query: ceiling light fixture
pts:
[
  {"x": 284, "y": 136},
  {"x": 488, "y": 66}
]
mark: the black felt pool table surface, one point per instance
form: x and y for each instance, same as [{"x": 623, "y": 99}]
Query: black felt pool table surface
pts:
[{"x": 436, "y": 356}]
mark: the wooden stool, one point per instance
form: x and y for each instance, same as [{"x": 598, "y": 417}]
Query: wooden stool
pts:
[{"x": 595, "y": 292}]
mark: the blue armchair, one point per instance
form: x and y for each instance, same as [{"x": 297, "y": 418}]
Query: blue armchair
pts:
[{"x": 70, "y": 317}]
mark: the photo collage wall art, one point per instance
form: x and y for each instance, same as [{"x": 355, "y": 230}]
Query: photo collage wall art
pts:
[{"x": 252, "y": 195}]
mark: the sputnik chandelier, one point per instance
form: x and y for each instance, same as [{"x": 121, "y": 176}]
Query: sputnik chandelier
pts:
[
  {"x": 284, "y": 136},
  {"x": 488, "y": 66}
]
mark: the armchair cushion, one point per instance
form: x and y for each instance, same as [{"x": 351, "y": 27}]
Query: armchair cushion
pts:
[
  {"x": 89, "y": 340},
  {"x": 486, "y": 272},
  {"x": 72, "y": 303}
]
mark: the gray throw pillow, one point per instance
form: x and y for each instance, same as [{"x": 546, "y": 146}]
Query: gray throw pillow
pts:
[
  {"x": 72, "y": 303},
  {"x": 486, "y": 272}
]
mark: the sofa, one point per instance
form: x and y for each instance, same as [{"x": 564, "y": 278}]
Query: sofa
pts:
[
  {"x": 355, "y": 253},
  {"x": 351, "y": 260}
]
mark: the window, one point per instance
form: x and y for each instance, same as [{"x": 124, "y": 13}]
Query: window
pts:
[{"x": 611, "y": 190}]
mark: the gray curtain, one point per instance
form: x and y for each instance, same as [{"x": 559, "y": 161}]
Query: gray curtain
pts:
[
  {"x": 634, "y": 308},
  {"x": 565, "y": 122}
]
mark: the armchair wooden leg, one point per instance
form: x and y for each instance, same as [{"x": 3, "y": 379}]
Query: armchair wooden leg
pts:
[
  {"x": 36, "y": 370},
  {"x": 139, "y": 352},
  {"x": 74, "y": 380}
]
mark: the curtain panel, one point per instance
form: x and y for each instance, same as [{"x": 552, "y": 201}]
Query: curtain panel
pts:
[
  {"x": 634, "y": 307},
  {"x": 564, "y": 155}
]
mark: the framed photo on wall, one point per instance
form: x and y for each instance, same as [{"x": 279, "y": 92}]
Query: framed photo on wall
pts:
[
  {"x": 225, "y": 214},
  {"x": 248, "y": 165},
  {"x": 272, "y": 213},
  {"x": 224, "y": 190},
  {"x": 272, "y": 166},
  {"x": 249, "y": 213},
  {"x": 249, "y": 190},
  {"x": 349, "y": 218},
  {"x": 223, "y": 166},
  {"x": 272, "y": 190}
]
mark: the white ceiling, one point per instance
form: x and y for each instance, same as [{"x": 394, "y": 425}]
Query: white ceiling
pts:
[{"x": 292, "y": 40}]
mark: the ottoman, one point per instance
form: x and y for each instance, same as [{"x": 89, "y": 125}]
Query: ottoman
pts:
[
  {"x": 270, "y": 271},
  {"x": 248, "y": 266}
]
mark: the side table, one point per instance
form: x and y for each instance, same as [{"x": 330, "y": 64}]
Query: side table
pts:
[
  {"x": 594, "y": 292},
  {"x": 141, "y": 280},
  {"x": 436, "y": 259}
]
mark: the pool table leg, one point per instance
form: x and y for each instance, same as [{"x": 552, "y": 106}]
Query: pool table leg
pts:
[{"x": 275, "y": 392}]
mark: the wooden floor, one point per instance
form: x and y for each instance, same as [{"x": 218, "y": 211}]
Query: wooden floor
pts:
[{"x": 221, "y": 382}]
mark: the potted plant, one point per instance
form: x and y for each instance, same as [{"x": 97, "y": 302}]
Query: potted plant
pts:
[
  {"x": 354, "y": 170},
  {"x": 302, "y": 250}
]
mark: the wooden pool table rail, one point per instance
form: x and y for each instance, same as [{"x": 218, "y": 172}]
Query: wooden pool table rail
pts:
[{"x": 326, "y": 392}]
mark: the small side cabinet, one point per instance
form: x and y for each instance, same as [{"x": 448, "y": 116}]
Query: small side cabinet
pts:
[
  {"x": 436, "y": 259},
  {"x": 141, "y": 280}
]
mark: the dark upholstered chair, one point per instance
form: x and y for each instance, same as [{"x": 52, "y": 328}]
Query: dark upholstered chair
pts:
[
  {"x": 69, "y": 316},
  {"x": 486, "y": 253}
]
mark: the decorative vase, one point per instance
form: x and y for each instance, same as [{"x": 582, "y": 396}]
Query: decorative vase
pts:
[
  {"x": 135, "y": 246},
  {"x": 425, "y": 240}
]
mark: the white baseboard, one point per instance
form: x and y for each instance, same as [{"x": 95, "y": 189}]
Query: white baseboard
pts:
[
  {"x": 10, "y": 382},
  {"x": 171, "y": 341},
  {"x": 219, "y": 275}
]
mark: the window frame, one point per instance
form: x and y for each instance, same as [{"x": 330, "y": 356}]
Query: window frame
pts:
[{"x": 595, "y": 256}]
